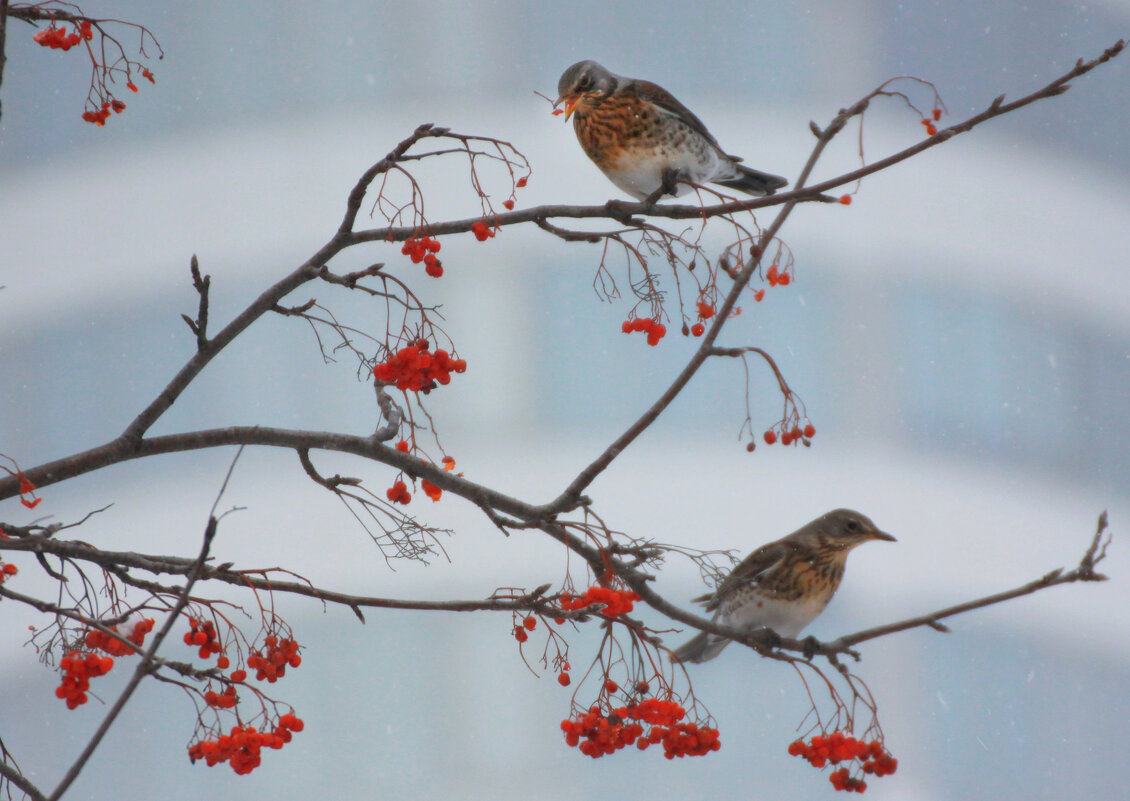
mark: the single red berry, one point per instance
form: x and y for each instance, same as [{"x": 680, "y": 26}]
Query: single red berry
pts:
[
  {"x": 809, "y": 431},
  {"x": 563, "y": 679},
  {"x": 521, "y": 183},
  {"x": 937, "y": 114},
  {"x": 845, "y": 199},
  {"x": 509, "y": 204},
  {"x": 770, "y": 437},
  {"x": 530, "y": 622},
  {"x": 698, "y": 329}
]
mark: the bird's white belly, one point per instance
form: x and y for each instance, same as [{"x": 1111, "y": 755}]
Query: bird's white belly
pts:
[
  {"x": 786, "y": 618},
  {"x": 640, "y": 175}
]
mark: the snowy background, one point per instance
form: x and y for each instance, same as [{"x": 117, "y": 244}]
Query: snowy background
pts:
[{"x": 960, "y": 336}]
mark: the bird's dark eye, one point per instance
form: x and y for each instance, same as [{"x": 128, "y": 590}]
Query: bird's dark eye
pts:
[
  {"x": 584, "y": 82},
  {"x": 853, "y": 525}
]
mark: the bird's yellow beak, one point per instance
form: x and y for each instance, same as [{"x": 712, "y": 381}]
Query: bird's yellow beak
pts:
[{"x": 570, "y": 105}]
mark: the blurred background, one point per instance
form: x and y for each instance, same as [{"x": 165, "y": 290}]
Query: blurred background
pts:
[{"x": 959, "y": 333}]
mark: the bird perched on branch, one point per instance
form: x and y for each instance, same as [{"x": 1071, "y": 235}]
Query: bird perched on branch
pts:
[
  {"x": 783, "y": 585},
  {"x": 645, "y": 140}
]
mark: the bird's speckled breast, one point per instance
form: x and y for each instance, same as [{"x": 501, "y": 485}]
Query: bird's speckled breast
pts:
[{"x": 634, "y": 143}]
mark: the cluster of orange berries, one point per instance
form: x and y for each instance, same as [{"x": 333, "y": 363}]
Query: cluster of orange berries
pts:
[
  {"x": 776, "y": 277},
  {"x": 616, "y": 602},
  {"x": 792, "y": 435},
  {"x": 928, "y": 123},
  {"x": 100, "y": 116},
  {"x": 839, "y": 747},
  {"x": 417, "y": 368},
  {"x": 596, "y": 734},
  {"x": 424, "y": 250},
  {"x": 202, "y": 634},
  {"x": 78, "y": 670},
  {"x": 705, "y": 312},
  {"x": 59, "y": 39},
  {"x": 272, "y": 664},
  {"x": 529, "y": 624},
  {"x": 241, "y": 749},
  {"x": 7, "y": 569},
  {"x": 100, "y": 641},
  {"x": 509, "y": 203},
  {"x": 481, "y": 230},
  {"x": 26, "y": 488},
  {"x": 398, "y": 493},
  {"x": 224, "y": 700},
  {"x": 655, "y": 330}
]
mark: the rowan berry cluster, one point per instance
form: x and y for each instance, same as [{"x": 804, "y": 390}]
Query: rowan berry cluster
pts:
[
  {"x": 424, "y": 250},
  {"x": 398, "y": 493},
  {"x": 928, "y": 123},
  {"x": 417, "y": 368},
  {"x": 596, "y": 734},
  {"x": 790, "y": 436},
  {"x": 242, "y": 748},
  {"x": 705, "y": 312},
  {"x": 655, "y": 330},
  {"x": 528, "y": 624},
  {"x": 616, "y": 602},
  {"x": 271, "y": 663},
  {"x": 59, "y": 39},
  {"x": 776, "y": 277},
  {"x": 7, "y": 569},
  {"x": 224, "y": 700},
  {"x": 78, "y": 669},
  {"x": 26, "y": 488},
  {"x": 202, "y": 634},
  {"x": 100, "y": 641},
  {"x": 481, "y": 230},
  {"x": 837, "y": 747},
  {"x": 100, "y": 116}
]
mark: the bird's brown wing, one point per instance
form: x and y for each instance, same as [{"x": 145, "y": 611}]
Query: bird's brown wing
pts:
[
  {"x": 667, "y": 103},
  {"x": 764, "y": 558}
]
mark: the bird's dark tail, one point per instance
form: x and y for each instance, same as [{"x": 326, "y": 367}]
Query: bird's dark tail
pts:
[
  {"x": 754, "y": 183},
  {"x": 700, "y": 648}
]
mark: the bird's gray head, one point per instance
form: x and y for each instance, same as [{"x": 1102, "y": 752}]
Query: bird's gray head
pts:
[
  {"x": 846, "y": 528},
  {"x": 582, "y": 78}
]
